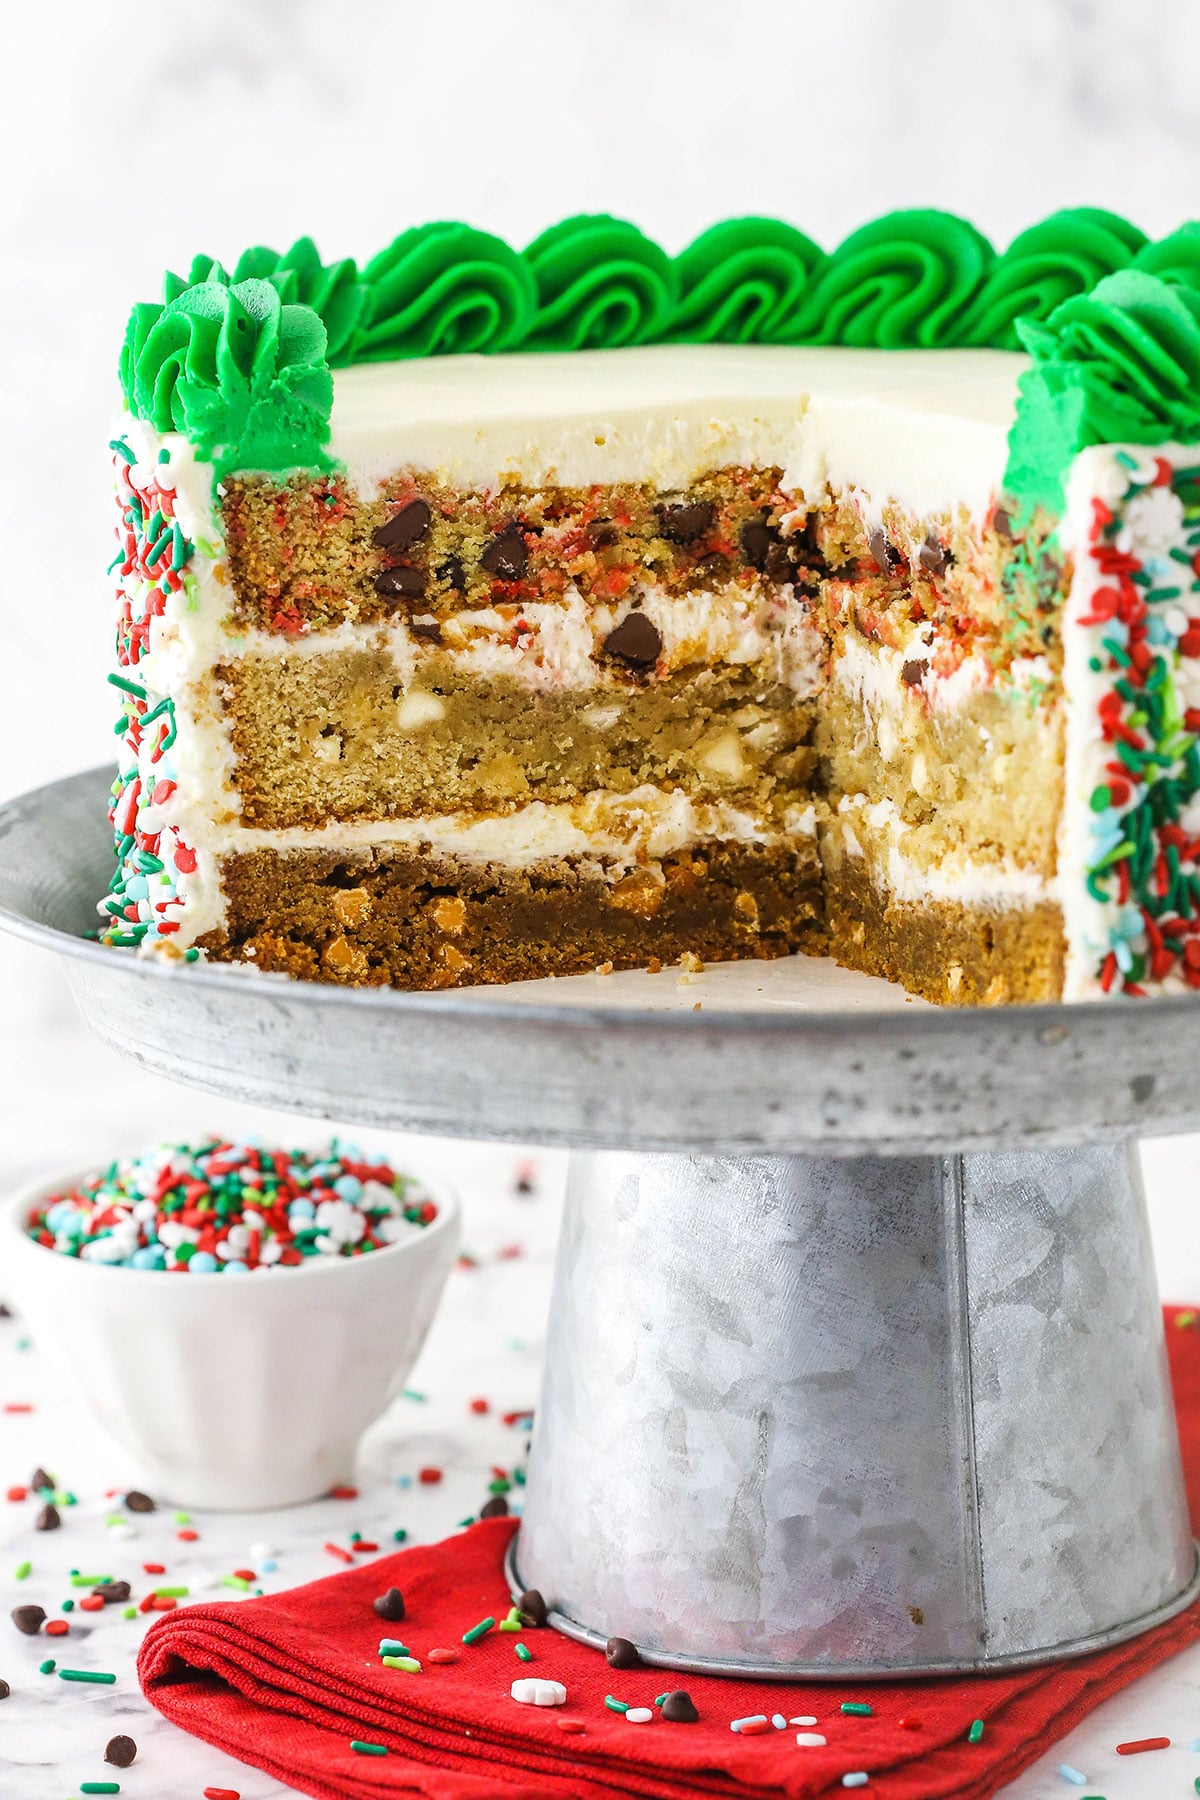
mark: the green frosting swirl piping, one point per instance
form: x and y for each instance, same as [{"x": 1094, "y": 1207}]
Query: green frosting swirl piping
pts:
[
  {"x": 1066, "y": 254},
  {"x": 443, "y": 289},
  {"x": 600, "y": 283},
  {"x": 243, "y": 376},
  {"x": 743, "y": 282},
  {"x": 1175, "y": 258},
  {"x": 903, "y": 281},
  {"x": 1118, "y": 365}
]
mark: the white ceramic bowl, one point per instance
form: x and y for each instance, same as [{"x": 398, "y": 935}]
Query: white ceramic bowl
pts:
[{"x": 232, "y": 1392}]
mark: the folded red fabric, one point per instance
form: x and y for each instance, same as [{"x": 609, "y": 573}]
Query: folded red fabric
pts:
[{"x": 287, "y": 1682}]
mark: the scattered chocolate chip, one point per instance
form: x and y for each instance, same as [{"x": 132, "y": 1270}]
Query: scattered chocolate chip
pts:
[
  {"x": 1001, "y": 523},
  {"x": 506, "y": 555},
  {"x": 39, "y": 1479},
  {"x": 429, "y": 629},
  {"x": 49, "y": 1519},
  {"x": 495, "y": 1508},
  {"x": 714, "y": 567},
  {"x": 136, "y": 1501},
  {"x": 882, "y": 551},
  {"x": 634, "y": 641},
  {"x": 678, "y": 1708},
  {"x": 453, "y": 574},
  {"x": 913, "y": 673},
  {"x": 602, "y": 534},
  {"x": 931, "y": 556},
  {"x": 390, "y": 1606},
  {"x": 778, "y": 566},
  {"x": 120, "y": 1751},
  {"x": 28, "y": 1619},
  {"x": 5, "y": 1690},
  {"x": 402, "y": 580},
  {"x": 532, "y": 1607},
  {"x": 403, "y": 529},
  {"x": 684, "y": 524},
  {"x": 619, "y": 1653},
  {"x": 113, "y": 1593},
  {"x": 758, "y": 540}
]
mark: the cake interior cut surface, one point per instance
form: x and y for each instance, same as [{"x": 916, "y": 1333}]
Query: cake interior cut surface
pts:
[{"x": 447, "y": 659}]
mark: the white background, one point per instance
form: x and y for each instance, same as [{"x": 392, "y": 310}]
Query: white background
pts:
[{"x": 132, "y": 137}]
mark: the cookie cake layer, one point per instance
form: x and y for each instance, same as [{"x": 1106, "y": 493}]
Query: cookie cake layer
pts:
[{"x": 459, "y": 667}]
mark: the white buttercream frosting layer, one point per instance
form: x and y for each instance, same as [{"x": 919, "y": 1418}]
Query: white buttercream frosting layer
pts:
[{"x": 925, "y": 429}]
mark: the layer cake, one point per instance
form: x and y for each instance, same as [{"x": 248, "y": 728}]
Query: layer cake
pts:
[{"x": 593, "y": 643}]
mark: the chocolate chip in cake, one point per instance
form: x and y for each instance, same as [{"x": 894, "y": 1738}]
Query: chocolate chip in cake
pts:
[
  {"x": 5, "y": 1690},
  {"x": 931, "y": 556},
  {"x": 1001, "y": 523},
  {"x": 712, "y": 568},
  {"x": 619, "y": 1653},
  {"x": 505, "y": 555},
  {"x": 28, "y": 1619},
  {"x": 390, "y": 1606},
  {"x": 136, "y": 1501},
  {"x": 679, "y": 1708},
  {"x": 684, "y": 524},
  {"x": 602, "y": 534},
  {"x": 402, "y": 580},
  {"x": 39, "y": 1480},
  {"x": 120, "y": 1751},
  {"x": 495, "y": 1508},
  {"x": 113, "y": 1593},
  {"x": 453, "y": 574},
  {"x": 758, "y": 540},
  {"x": 885, "y": 555},
  {"x": 49, "y": 1519},
  {"x": 532, "y": 1607},
  {"x": 403, "y": 529},
  {"x": 634, "y": 641},
  {"x": 913, "y": 672},
  {"x": 779, "y": 566},
  {"x": 428, "y": 629}
]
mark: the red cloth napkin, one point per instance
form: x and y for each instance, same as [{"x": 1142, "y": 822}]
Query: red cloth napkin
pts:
[{"x": 286, "y": 1682}]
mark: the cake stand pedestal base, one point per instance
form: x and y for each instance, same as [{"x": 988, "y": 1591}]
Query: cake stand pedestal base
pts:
[{"x": 827, "y": 1417}]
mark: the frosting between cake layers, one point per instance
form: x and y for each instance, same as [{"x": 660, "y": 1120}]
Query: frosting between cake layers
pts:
[{"x": 962, "y": 880}]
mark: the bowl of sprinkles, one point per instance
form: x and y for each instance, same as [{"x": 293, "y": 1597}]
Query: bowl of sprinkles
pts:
[{"x": 312, "y": 1278}]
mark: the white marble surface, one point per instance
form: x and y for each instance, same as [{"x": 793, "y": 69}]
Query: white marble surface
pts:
[{"x": 64, "y": 1101}]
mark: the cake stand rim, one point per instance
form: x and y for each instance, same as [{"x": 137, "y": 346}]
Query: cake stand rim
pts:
[{"x": 480, "y": 1004}]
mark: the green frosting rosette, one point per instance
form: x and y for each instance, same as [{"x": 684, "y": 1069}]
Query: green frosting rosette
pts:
[
  {"x": 1118, "y": 365},
  {"x": 1175, "y": 258},
  {"x": 1066, "y": 254},
  {"x": 903, "y": 281},
  {"x": 442, "y": 289},
  {"x": 242, "y": 375},
  {"x": 600, "y": 283},
  {"x": 333, "y": 290},
  {"x": 743, "y": 282}
]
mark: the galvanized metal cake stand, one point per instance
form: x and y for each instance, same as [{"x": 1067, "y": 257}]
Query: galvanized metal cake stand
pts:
[{"x": 855, "y": 1361}]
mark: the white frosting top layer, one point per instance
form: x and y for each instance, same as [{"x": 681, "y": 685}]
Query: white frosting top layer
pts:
[{"x": 924, "y": 428}]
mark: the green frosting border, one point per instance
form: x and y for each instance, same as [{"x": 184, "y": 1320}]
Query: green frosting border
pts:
[{"x": 241, "y": 362}]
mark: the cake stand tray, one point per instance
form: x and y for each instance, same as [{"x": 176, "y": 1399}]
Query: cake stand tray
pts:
[{"x": 855, "y": 1362}]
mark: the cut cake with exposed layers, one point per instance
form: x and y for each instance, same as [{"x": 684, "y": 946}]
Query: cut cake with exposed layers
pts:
[{"x": 457, "y": 668}]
